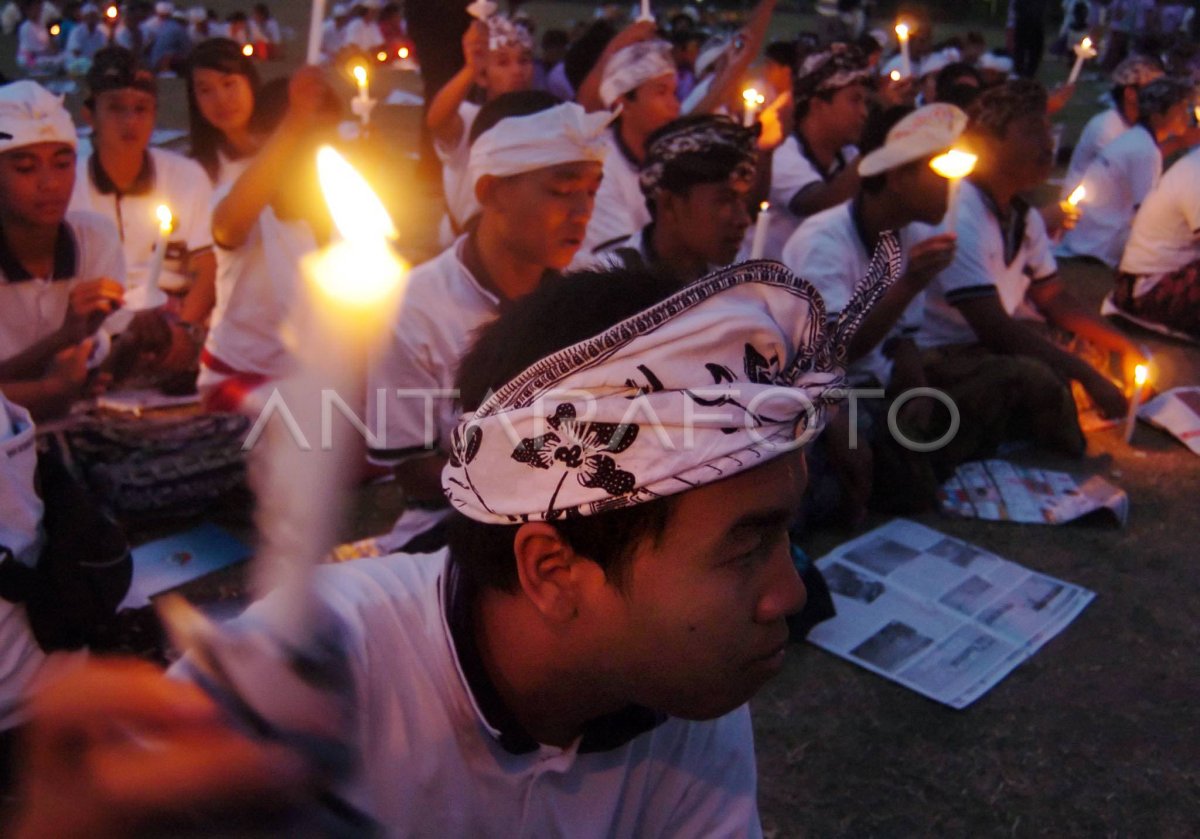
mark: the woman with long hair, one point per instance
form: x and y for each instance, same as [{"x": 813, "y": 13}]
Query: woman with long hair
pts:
[{"x": 222, "y": 88}]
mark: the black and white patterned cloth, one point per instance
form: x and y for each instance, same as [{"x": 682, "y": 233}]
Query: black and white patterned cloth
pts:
[
  {"x": 727, "y": 373},
  {"x": 695, "y": 141}
]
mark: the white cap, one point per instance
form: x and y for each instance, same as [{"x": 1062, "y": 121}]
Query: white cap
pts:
[
  {"x": 923, "y": 133},
  {"x": 631, "y": 67},
  {"x": 996, "y": 63},
  {"x": 31, "y": 114},
  {"x": 163, "y": 8}
]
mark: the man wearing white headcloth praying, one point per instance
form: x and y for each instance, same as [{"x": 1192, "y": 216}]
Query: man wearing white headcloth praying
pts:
[
  {"x": 534, "y": 169},
  {"x": 578, "y": 662}
]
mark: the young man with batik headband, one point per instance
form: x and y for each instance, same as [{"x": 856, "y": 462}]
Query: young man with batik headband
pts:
[
  {"x": 126, "y": 180},
  {"x": 980, "y": 339},
  {"x": 534, "y": 169},
  {"x": 816, "y": 167},
  {"x": 697, "y": 180},
  {"x": 499, "y": 60},
  {"x": 615, "y": 590},
  {"x": 833, "y": 249}
]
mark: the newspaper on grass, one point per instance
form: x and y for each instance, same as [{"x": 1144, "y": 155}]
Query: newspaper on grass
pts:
[
  {"x": 996, "y": 490},
  {"x": 938, "y": 615},
  {"x": 168, "y": 563},
  {"x": 1178, "y": 413}
]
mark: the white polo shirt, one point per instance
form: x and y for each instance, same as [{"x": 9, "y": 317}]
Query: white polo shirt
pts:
[
  {"x": 1166, "y": 231},
  {"x": 793, "y": 169},
  {"x": 435, "y": 763},
  {"x": 454, "y": 167},
  {"x": 359, "y": 33},
  {"x": 990, "y": 261},
  {"x": 168, "y": 178},
  {"x": 1100, "y": 130},
  {"x": 828, "y": 250},
  {"x": 620, "y": 210},
  {"x": 257, "y": 286},
  {"x": 32, "y": 308},
  {"x": 1117, "y": 183}
]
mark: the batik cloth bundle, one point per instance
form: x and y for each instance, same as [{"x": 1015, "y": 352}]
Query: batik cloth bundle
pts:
[{"x": 723, "y": 375}]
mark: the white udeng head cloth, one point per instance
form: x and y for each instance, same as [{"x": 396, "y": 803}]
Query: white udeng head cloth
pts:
[
  {"x": 923, "y": 133},
  {"x": 31, "y": 114},
  {"x": 722, "y": 376},
  {"x": 515, "y": 145},
  {"x": 631, "y": 67}
]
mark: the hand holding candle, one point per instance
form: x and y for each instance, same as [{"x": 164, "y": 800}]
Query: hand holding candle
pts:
[
  {"x": 954, "y": 165},
  {"x": 148, "y": 295},
  {"x": 1083, "y": 51},
  {"x": 902, "y": 33}
]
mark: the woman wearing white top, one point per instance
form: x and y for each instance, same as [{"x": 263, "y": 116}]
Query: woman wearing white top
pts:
[{"x": 222, "y": 86}]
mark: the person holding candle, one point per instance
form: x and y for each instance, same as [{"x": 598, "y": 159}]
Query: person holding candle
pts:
[
  {"x": 699, "y": 178},
  {"x": 1127, "y": 170},
  {"x": 126, "y": 180},
  {"x": 815, "y": 167},
  {"x": 263, "y": 222},
  {"x": 978, "y": 338},
  {"x": 498, "y": 60},
  {"x": 579, "y": 659},
  {"x": 833, "y": 251},
  {"x": 222, "y": 87},
  {"x": 1158, "y": 281}
]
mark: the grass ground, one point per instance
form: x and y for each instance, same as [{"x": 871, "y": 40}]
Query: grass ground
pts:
[{"x": 1097, "y": 735}]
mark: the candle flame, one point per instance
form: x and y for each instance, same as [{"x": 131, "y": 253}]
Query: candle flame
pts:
[
  {"x": 55, "y": 30},
  {"x": 1085, "y": 44},
  {"x": 357, "y": 211},
  {"x": 894, "y": 75},
  {"x": 360, "y": 73},
  {"x": 402, "y": 52},
  {"x": 764, "y": 206},
  {"x": 954, "y": 164},
  {"x": 902, "y": 31},
  {"x": 751, "y": 96},
  {"x": 248, "y": 50},
  {"x": 111, "y": 12},
  {"x": 381, "y": 56},
  {"x": 1076, "y": 197},
  {"x": 165, "y": 220},
  {"x": 1141, "y": 374}
]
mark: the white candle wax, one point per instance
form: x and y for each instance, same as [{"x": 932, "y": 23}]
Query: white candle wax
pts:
[
  {"x": 952, "y": 203},
  {"x": 1140, "y": 377},
  {"x": 1083, "y": 52},
  {"x": 905, "y": 57},
  {"x": 315, "y": 26},
  {"x": 759, "y": 243},
  {"x": 646, "y": 14}
]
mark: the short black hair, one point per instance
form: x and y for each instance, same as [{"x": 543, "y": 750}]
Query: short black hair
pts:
[
  {"x": 529, "y": 329},
  {"x": 521, "y": 103},
  {"x": 555, "y": 39},
  {"x": 583, "y": 55},
  {"x": 952, "y": 89}
]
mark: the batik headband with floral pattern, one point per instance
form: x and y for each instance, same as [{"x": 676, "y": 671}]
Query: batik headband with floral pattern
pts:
[
  {"x": 696, "y": 139},
  {"x": 726, "y": 374}
]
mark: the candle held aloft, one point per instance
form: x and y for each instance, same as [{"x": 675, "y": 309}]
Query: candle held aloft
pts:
[
  {"x": 895, "y": 75},
  {"x": 759, "y": 244},
  {"x": 954, "y": 165},
  {"x": 753, "y": 100},
  {"x": 1083, "y": 51},
  {"x": 902, "y": 33},
  {"x": 1141, "y": 375},
  {"x": 316, "y": 24},
  {"x": 646, "y": 15}
]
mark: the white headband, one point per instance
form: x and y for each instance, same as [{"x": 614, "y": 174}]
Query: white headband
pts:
[
  {"x": 722, "y": 376},
  {"x": 563, "y": 134},
  {"x": 631, "y": 67}
]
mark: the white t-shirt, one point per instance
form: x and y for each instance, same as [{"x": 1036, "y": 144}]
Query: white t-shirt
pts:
[
  {"x": 791, "y": 171},
  {"x": 433, "y": 763},
  {"x": 444, "y": 305},
  {"x": 86, "y": 43},
  {"x": 828, "y": 251},
  {"x": 454, "y": 166},
  {"x": 359, "y": 33},
  {"x": 620, "y": 208},
  {"x": 32, "y": 308},
  {"x": 983, "y": 267},
  {"x": 22, "y": 662},
  {"x": 1117, "y": 183},
  {"x": 1100, "y": 130},
  {"x": 171, "y": 179},
  {"x": 1166, "y": 230},
  {"x": 33, "y": 43},
  {"x": 257, "y": 287}
]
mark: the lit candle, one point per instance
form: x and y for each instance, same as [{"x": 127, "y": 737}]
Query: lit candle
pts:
[
  {"x": 905, "y": 58},
  {"x": 1141, "y": 374},
  {"x": 1077, "y": 195},
  {"x": 646, "y": 15},
  {"x": 55, "y": 30},
  {"x": 1083, "y": 52},
  {"x": 316, "y": 24},
  {"x": 753, "y": 101},
  {"x": 148, "y": 296},
  {"x": 954, "y": 165},
  {"x": 894, "y": 75},
  {"x": 381, "y": 56},
  {"x": 362, "y": 103},
  {"x": 248, "y": 50},
  {"x": 349, "y": 298},
  {"x": 111, "y": 13},
  {"x": 759, "y": 244},
  {"x": 402, "y": 53}
]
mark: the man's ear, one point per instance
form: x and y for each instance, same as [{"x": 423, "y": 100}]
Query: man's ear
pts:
[
  {"x": 485, "y": 190},
  {"x": 552, "y": 575}
]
